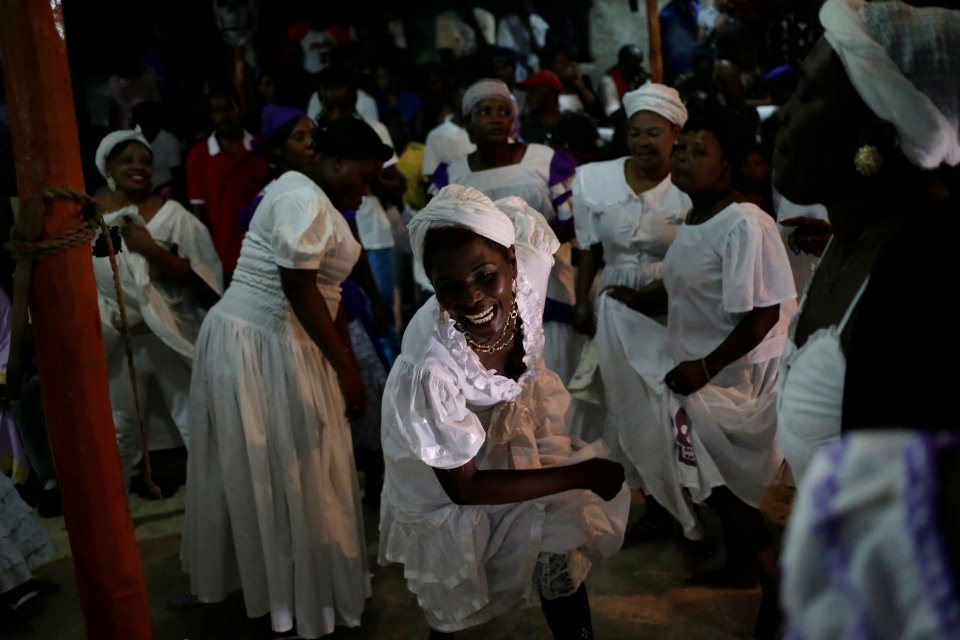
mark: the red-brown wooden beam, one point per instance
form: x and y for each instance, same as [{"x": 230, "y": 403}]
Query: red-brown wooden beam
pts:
[
  {"x": 656, "y": 43},
  {"x": 66, "y": 321}
]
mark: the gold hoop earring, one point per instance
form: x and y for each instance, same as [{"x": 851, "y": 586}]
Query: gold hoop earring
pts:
[{"x": 868, "y": 160}]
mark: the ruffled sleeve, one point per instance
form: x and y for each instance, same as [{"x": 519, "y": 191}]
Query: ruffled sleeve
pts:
[
  {"x": 301, "y": 232},
  {"x": 430, "y": 414},
  {"x": 756, "y": 271}
]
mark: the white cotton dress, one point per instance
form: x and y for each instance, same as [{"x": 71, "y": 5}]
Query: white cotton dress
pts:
[
  {"x": 164, "y": 321},
  {"x": 722, "y": 435},
  {"x": 24, "y": 544},
  {"x": 635, "y": 231},
  {"x": 810, "y": 402},
  {"x": 273, "y": 503},
  {"x": 534, "y": 180},
  {"x": 467, "y": 564}
]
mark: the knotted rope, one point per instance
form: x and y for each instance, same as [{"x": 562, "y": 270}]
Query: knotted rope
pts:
[{"x": 26, "y": 247}]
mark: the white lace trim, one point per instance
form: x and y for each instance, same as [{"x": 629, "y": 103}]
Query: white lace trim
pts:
[{"x": 488, "y": 380}]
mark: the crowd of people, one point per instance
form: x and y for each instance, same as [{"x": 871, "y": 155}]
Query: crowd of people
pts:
[{"x": 490, "y": 301}]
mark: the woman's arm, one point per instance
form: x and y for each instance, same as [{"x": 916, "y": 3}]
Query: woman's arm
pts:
[
  {"x": 310, "y": 307},
  {"x": 690, "y": 376},
  {"x": 648, "y": 300},
  {"x": 468, "y": 485},
  {"x": 590, "y": 260},
  {"x": 171, "y": 267}
]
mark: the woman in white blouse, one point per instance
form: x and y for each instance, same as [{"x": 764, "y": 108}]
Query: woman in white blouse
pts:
[
  {"x": 487, "y": 502},
  {"x": 626, "y": 214},
  {"x": 730, "y": 295}
]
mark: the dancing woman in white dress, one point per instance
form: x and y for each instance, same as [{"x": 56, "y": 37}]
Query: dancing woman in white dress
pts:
[{"x": 487, "y": 503}]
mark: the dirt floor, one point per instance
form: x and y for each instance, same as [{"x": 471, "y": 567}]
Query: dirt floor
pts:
[{"x": 640, "y": 593}]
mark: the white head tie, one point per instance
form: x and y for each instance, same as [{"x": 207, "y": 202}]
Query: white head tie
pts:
[
  {"x": 903, "y": 61},
  {"x": 110, "y": 142},
  {"x": 660, "y": 99},
  {"x": 487, "y": 88},
  {"x": 459, "y": 206}
]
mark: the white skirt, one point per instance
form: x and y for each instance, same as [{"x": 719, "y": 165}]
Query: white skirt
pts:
[
  {"x": 24, "y": 544},
  {"x": 273, "y": 503},
  {"x": 469, "y": 564}
]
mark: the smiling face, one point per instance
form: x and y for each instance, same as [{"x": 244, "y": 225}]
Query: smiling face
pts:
[
  {"x": 131, "y": 167},
  {"x": 473, "y": 279},
  {"x": 650, "y": 139},
  {"x": 699, "y": 165},
  {"x": 491, "y": 121},
  {"x": 821, "y": 128}
]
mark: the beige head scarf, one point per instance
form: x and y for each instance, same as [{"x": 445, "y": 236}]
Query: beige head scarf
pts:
[
  {"x": 658, "y": 98},
  {"x": 904, "y": 62}
]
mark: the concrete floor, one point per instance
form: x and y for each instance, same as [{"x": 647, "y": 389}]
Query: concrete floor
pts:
[{"x": 639, "y": 594}]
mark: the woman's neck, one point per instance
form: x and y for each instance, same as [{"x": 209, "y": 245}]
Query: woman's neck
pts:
[
  {"x": 710, "y": 203},
  {"x": 641, "y": 179},
  {"x": 125, "y": 198},
  {"x": 489, "y": 156}
]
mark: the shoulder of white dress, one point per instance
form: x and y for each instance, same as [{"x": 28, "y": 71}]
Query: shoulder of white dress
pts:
[{"x": 601, "y": 184}]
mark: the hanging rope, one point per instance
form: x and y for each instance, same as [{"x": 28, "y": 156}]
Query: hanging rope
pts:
[{"x": 26, "y": 247}]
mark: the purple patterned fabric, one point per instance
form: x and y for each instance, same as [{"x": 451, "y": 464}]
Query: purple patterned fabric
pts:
[
  {"x": 921, "y": 498},
  {"x": 828, "y": 525},
  {"x": 563, "y": 166}
]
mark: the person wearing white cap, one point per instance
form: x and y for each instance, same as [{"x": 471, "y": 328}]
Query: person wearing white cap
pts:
[
  {"x": 626, "y": 214},
  {"x": 487, "y": 502},
  {"x": 871, "y": 549},
  {"x": 539, "y": 175},
  {"x": 170, "y": 274}
]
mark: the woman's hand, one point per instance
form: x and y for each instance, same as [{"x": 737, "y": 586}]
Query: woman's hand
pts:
[
  {"x": 810, "y": 235},
  {"x": 687, "y": 377},
  {"x": 137, "y": 238},
  {"x": 351, "y": 383},
  {"x": 604, "y": 477},
  {"x": 626, "y": 295},
  {"x": 583, "y": 320}
]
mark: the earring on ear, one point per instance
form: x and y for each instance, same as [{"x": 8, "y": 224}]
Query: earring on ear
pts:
[
  {"x": 111, "y": 183},
  {"x": 514, "y": 285},
  {"x": 868, "y": 160},
  {"x": 443, "y": 316}
]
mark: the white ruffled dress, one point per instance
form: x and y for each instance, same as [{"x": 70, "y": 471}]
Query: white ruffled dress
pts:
[{"x": 467, "y": 564}]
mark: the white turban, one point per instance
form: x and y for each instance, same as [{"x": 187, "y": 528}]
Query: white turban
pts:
[
  {"x": 459, "y": 206},
  {"x": 110, "y": 142},
  {"x": 660, "y": 99},
  {"x": 905, "y": 63},
  {"x": 487, "y": 88}
]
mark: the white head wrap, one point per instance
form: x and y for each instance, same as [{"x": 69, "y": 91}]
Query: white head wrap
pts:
[
  {"x": 459, "y": 206},
  {"x": 109, "y": 143},
  {"x": 905, "y": 63},
  {"x": 487, "y": 88},
  {"x": 660, "y": 99}
]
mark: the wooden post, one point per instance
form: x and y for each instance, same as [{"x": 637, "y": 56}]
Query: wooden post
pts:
[
  {"x": 66, "y": 320},
  {"x": 656, "y": 44}
]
